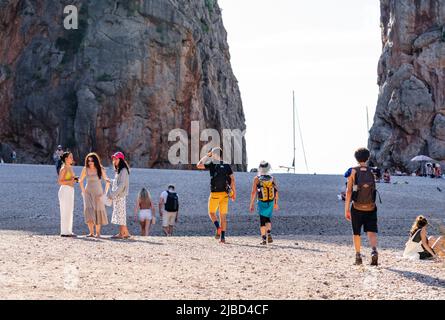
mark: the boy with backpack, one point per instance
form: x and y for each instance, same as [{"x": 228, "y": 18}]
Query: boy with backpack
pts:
[
  {"x": 264, "y": 188},
  {"x": 361, "y": 191},
  {"x": 169, "y": 202}
]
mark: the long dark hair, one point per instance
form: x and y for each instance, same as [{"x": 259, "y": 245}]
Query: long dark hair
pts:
[
  {"x": 97, "y": 164},
  {"x": 122, "y": 164},
  {"x": 65, "y": 155}
]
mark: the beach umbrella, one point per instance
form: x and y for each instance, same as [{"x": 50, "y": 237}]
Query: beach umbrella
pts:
[{"x": 422, "y": 158}]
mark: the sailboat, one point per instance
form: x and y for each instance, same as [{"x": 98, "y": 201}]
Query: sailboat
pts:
[{"x": 295, "y": 117}]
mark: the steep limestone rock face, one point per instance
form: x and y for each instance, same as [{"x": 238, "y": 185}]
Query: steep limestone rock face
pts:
[
  {"x": 410, "y": 114},
  {"x": 133, "y": 71}
]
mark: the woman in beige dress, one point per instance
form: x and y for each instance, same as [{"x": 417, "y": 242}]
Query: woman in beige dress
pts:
[{"x": 94, "y": 207}]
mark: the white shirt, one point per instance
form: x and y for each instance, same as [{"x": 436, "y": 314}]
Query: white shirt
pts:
[{"x": 164, "y": 196}]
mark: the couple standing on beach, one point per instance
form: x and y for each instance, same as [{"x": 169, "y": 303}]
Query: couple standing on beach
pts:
[{"x": 94, "y": 197}]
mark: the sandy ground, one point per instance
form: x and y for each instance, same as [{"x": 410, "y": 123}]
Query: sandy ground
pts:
[{"x": 311, "y": 257}]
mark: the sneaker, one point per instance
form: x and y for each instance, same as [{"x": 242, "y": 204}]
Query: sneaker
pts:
[
  {"x": 269, "y": 238},
  {"x": 374, "y": 259},
  {"x": 263, "y": 243},
  {"x": 218, "y": 233},
  {"x": 358, "y": 259}
]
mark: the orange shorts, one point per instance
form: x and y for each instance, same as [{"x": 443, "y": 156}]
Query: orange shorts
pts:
[{"x": 219, "y": 200}]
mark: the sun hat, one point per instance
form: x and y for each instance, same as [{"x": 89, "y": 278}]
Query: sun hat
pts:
[
  {"x": 118, "y": 155},
  {"x": 264, "y": 167}
]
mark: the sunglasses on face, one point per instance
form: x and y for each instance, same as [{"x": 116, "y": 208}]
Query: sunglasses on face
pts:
[{"x": 90, "y": 160}]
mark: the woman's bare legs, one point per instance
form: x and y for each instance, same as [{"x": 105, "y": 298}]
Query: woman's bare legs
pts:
[
  {"x": 438, "y": 245},
  {"x": 147, "y": 227},
  {"x": 123, "y": 230},
  {"x": 91, "y": 229},
  {"x": 98, "y": 230},
  {"x": 143, "y": 224}
]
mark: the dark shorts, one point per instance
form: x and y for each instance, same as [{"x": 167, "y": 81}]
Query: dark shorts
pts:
[
  {"x": 365, "y": 219},
  {"x": 425, "y": 255},
  {"x": 264, "y": 220}
]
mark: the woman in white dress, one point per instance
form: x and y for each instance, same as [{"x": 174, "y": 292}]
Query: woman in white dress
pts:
[{"x": 119, "y": 193}]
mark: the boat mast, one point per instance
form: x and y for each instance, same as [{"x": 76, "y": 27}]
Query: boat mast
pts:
[
  {"x": 301, "y": 135},
  {"x": 293, "y": 126}
]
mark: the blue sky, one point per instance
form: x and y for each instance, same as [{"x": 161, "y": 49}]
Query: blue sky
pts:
[{"x": 327, "y": 51}]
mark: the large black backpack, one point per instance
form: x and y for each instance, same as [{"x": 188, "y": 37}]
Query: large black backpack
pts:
[
  {"x": 220, "y": 179},
  {"x": 364, "y": 189},
  {"x": 172, "y": 203}
]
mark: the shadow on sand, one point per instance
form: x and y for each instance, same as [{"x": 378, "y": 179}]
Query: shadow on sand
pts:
[
  {"x": 274, "y": 247},
  {"x": 422, "y": 278}
]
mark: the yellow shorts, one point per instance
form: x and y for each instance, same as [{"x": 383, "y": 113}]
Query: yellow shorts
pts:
[{"x": 219, "y": 200}]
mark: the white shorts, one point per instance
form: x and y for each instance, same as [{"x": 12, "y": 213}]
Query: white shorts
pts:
[
  {"x": 145, "y": 214},
  {"x": 168, "y": 218}
]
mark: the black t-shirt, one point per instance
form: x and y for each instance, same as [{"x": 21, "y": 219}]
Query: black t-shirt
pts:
[{"x": 220, "y": 176}]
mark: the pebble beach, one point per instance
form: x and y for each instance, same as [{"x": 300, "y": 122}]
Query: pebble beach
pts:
[{"x": 311, "y": 256}]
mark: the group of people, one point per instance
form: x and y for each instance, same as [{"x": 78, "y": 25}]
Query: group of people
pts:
[
  {"x": 360, "y": 202},
  {"x": 433, "y": 170},
  {"x": 95, "y": 198}
]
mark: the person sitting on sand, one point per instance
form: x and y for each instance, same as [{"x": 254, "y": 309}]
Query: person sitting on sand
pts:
[
  {"x": 94, "y": 210},
  {"x": 222, "y": 187},
  {"x": 387, "y": 176},
  {"x": 361, "y": 191},
  {"x": 169, "y": 209},
  {"x": 265, "y": 189},
  {"x": 144, "y": 211},
  {"x": 419, "y": 246}
]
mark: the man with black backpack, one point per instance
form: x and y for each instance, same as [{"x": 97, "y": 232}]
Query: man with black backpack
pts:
[
  {"x": 169, "y": 202},
  {"x": 361, "y": 191},
  {"x": 222, "y": 187}
]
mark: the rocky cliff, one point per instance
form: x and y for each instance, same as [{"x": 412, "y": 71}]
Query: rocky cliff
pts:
[
  {"x": 410, "y": 114},
  {"x": 130, "y": 73}
]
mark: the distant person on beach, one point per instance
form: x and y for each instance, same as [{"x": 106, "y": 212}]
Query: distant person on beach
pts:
[
  {"x": 342, "y": 195},
  {"x": 265, "y": 190},
  {"x": 119, "y": 193},
  {"x": 56, "y": 157},
  {"x": 377, "y": 174},
  {"x": 67, "y": 179},
  {"x": 437, "y": 170},
  {"x": 144, "y": 211},
  {"x": 169, "y": 209},
  {"x": 419, "y": 246},
  {"x": 222, "y": 187},
  {"x": 361, "y": 191},
  {"x": 94, "y": 210},
  {"x": 387, "y": 176},
  {"x": 429, "y": 170},
  {"x": 14, "y": 157}
]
